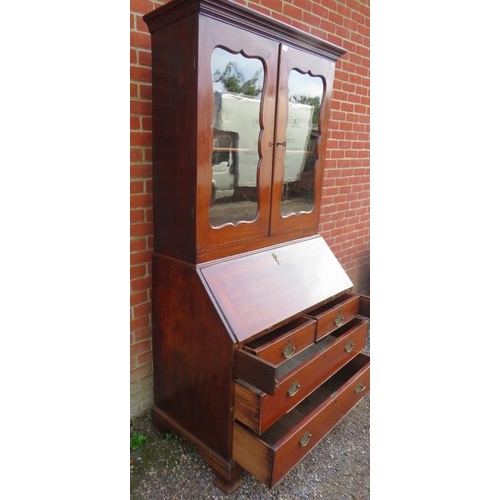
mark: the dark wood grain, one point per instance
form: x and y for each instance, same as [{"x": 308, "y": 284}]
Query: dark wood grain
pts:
[
  {"x": 262, "y": 290},
  {"x": 174, "y": 121},
  {"x": 192, "y": 359}
]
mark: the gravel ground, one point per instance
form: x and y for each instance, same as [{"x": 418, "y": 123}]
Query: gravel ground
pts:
[{"x": 170, "y": 467}]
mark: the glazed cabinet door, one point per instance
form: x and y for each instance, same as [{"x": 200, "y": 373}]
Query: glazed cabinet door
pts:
[
  {"x": 237, "y": 79},
  {"x": 303, "y": 104},
  {"x": 240, "y": 118},
  {"x": 263, "y": 111}
]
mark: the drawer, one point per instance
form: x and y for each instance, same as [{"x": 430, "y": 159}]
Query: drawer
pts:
[
  {"x": 298, "y": 377},
  {"x": 285, "y": 342},
  {"x": 334, "y": 314},
  {"x": 272, "y": 455}
]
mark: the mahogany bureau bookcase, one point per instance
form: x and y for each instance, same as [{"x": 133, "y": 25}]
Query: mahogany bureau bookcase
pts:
[{"x": 257, "y": 337}]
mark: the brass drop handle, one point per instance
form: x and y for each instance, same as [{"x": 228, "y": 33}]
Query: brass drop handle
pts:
[
  {"x": 359, "y": 388},
  {"x": 348, "y": 347},
  {"x": 288, "y": 350},
  {"x": 305, "y": 439},
  {"x": 281, "y": 143},
  {"x": 293, "y": 389},
  {"x": 339, "y": 319}
]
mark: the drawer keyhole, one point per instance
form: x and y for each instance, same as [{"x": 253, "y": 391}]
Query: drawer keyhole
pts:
[{"x": 293, "y": 389}]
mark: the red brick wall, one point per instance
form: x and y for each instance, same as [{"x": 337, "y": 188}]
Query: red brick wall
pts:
[{"x": 345, "y": 217}]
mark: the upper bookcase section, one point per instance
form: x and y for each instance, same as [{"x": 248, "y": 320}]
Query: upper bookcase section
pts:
[
  {"x": 241, "y": 113},
  {"x": 242, "y": 17}
]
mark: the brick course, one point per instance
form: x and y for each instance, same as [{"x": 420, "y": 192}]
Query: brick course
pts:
[{"x": 345, "y": 214}]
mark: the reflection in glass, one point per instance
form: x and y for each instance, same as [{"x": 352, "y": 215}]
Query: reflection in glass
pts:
[
  {"x": 305, "y": 93},
  {"x": 237, "y": 83}
]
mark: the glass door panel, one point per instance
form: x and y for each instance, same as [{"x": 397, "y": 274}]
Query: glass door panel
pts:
[
  {"x": 305, "y": 93},
  {"x": 238, "y": 82},
  {"x": 237, "y": 78},
  {"x": 303, "y": 103}
]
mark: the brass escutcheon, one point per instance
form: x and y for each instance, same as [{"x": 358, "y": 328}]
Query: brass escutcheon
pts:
[
  {"x": 348, "y": 347},
  {"x": 288, "y": 350},
  {"x": 305, "y": 439},
  {"x": 359, "y": 388},
  {"x": 293, "y": 389},
  {"x": 339, "y": 319}
]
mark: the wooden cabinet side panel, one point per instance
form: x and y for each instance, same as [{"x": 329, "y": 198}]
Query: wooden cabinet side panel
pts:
[
  {"x": 192, "y": 355},
  {"x": 174, "y": 124}
]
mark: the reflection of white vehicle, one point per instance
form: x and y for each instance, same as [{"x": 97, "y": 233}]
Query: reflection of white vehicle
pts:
[
  {"x": 224, "y": 160},
  {"x": 236, "y": 131}
]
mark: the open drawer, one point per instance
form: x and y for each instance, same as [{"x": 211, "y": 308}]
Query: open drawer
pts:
[
  {"x": 298, "y": 377},
  {"x": 272, "y": 455},
  {"x": 285, "y": 342}
]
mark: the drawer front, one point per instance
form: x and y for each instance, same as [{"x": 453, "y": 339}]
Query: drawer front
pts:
[
  {"x": 293, "y": 448},
  {"x": 286, "y": 342},
  {"x": 271, "y": 456},
  {"x": 259, "y": 410},
  {"x": 332, "y": 316}
]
